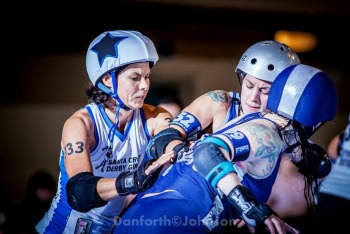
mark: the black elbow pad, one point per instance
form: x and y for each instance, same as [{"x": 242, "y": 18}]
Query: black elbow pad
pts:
[
  {"x": 157, "y": 144},
  {"x": 81, "y": 192}
]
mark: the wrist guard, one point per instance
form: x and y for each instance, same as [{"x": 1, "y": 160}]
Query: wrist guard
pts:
[
  {"x": 179, "y": 150},
  {"x": 158, "y": 143},
  {"x": 245, "y": 203},
  {"x": 132, "y": 182}
]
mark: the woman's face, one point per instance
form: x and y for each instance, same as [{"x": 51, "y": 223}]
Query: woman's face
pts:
[
  {"x": 254, "y": 94},
  {"x": 133, "y": 84}
]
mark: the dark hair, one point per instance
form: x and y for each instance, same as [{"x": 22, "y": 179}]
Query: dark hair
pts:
[
  {"x": 314, "y": 166},
  {"x": 97, "y": 96}
]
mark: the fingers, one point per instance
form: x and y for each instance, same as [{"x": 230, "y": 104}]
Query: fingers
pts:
[
  {"x": 271, "y": 226},
  {"x": 164, "y": 159},
  {"x": 290, "y": 229},
  {"x": 239, "y": 223},
  {"x": 276, "y": 225}
]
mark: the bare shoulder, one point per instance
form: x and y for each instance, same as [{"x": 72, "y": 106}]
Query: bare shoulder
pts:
[
  {"x": 219, "y": 96},
  {"x": 211, "y": 100},
  {"x": 157, "y": 118},
  {"x": 154, "y": 111},
  {"x": 79, "y": 118}
]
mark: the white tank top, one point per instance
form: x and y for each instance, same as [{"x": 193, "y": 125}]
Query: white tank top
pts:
[
  {"x": 338, "y": 181},
  {"x": 128, "y": 151}
]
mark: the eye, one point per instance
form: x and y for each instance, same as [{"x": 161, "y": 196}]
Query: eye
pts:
[
  {"x": 265, "y": 91},
  {"x": 134, "y": 78},
  {"x": 249, "y": 85}
]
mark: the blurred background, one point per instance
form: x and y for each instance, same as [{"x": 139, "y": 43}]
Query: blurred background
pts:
[{"x": 199, "y": 43}]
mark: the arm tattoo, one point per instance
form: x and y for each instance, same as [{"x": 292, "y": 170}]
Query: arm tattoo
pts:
[
  {"x": 168, "y": 119},
  {"x": 77, "y": 148},
  {"x": 268, "y": 142},
  {"x": 218, "y": 96}
]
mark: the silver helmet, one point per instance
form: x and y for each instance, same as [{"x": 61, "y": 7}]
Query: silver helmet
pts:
[{"x": 266, "y": 59}]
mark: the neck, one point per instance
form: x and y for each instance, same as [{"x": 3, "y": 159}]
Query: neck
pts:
[
  {"x": 281, "y": 121},
  {"x": 123, "y": 116}
]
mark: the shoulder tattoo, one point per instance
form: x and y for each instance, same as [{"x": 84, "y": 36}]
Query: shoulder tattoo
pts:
[
  {"x": 218, "y": 96},
  {"x": 168, "y": 119}
]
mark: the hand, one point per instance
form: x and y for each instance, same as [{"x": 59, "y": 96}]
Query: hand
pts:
[
  {"x": 276, "y": 225},
  {"x": 132, "y": 182},
  {"x": 273, "y": 224},
  {"x": 162, "y": 160}
]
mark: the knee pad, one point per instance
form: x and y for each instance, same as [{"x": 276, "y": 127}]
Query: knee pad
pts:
[{"x": 211, "y": 163}]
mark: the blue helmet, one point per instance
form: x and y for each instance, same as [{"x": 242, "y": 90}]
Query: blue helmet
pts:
[{"x": 304, "y": 94}]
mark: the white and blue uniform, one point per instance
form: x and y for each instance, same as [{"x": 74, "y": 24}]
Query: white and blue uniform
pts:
[
  {"x": 337, "y": 183},
  {"x": 333, "y": 202},
  {"x": 128, "y": 151},
  {"x": 183, "y": 201}
]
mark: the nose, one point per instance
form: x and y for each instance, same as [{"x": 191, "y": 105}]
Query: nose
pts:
[
  {"x": 144, "y": 84},
  {"x": 254, "y": 97}
]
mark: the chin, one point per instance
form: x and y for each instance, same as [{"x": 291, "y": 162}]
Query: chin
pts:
[
  {"x": 137, "y": 105},
  {"x": 250, "y": 110}
]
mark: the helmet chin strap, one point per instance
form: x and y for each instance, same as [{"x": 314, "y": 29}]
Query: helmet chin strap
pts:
[
  {"x": 120, "y": 105},
  {"x": 115, "y": 94}
]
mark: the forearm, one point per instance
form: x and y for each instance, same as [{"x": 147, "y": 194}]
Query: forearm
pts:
[
  {"x": 106, "y": 188},
  {"x": 228, "y": 182}
]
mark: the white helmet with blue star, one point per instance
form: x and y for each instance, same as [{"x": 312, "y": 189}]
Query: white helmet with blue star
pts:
[{"x": 113, "y": 50}]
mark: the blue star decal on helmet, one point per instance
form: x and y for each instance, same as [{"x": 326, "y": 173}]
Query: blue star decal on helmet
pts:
[{"x": 107, "y": 47}]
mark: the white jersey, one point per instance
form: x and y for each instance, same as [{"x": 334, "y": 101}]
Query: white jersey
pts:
[
  {"x": 337, "y": 183},
  {"x": 128, "y": 151}
]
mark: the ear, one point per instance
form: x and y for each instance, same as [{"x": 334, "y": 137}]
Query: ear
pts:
[{"x": 107, "y": 80}]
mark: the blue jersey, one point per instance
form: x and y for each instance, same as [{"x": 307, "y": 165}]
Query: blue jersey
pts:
[
  {"x": 182, "y": 201},
  {"x": 128, "y": 151}
]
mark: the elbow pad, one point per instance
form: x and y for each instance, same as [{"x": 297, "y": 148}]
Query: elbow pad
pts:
[
  {"x": 81, "y": 192},
  {"x": 210, "y": 162},
  {"x": 157, "y": 144}
]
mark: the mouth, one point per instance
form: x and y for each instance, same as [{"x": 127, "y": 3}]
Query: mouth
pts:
[
  {"x": 140, "y": 98},
  {"x": 254, "y": 107}
]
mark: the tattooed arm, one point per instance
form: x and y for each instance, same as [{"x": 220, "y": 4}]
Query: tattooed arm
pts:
[{"x": 77, "y": 140}]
